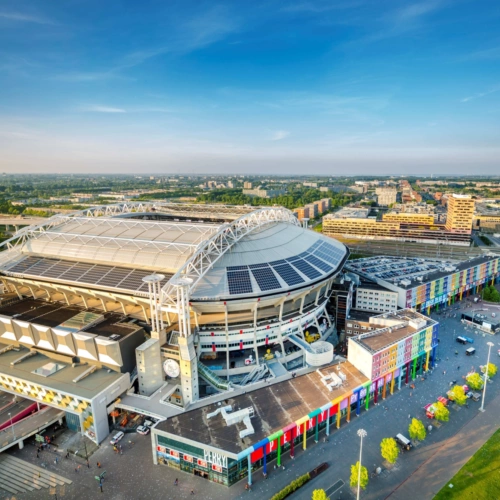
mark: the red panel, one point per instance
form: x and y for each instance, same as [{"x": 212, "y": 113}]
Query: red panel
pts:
[
  {"x": 287, "y": 436},
  {"x": 257, "y": 454}
]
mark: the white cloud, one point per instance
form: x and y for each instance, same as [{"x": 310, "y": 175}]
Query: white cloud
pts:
[
  {"x": 479, "y": 95},
  {"x": 17, "y": 16},
  {"x": 279, "y": 135},
  {"x": 102, "y": 109}
]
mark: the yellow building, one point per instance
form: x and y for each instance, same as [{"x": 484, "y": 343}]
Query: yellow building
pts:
[
  {"x": 487, "y": 223},
  {"x": 409, "y": 218},
  {"x": 460, "y": 214}
]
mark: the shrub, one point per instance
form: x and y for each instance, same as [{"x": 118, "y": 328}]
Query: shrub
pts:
[
  {"x": 293, "y": 486},
  {"x": 492, "y": 369},
  {"x": 475, "y": 381},
  {"x": 441, "y": 413},
  {"x": 319, "y": 495},
  {"x": 458, "y": 395}
]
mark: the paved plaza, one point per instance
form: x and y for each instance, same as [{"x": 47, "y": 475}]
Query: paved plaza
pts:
[{"x": 427, "y": 467}]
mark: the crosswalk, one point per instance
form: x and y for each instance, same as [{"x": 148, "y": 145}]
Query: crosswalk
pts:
[{"x": 18, "y": 476}]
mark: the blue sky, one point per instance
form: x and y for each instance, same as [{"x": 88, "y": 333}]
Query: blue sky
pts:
[{"x": 305, "y": 86}]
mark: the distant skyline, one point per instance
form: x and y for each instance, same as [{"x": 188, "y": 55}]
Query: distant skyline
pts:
[{"x": 337, "y": 87}]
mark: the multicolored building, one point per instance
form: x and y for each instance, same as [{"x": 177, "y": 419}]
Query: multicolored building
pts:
[
  {"x": 228, "y": 441},
  {"x": 424, "y": 284}
]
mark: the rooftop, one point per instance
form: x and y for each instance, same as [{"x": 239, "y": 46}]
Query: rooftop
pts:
[
  {"x": 275, "y": 407},
  {"x": 410, "y": 272},
  {"x": 62, "y": 380},
  {"x": 394, "y": 327}
]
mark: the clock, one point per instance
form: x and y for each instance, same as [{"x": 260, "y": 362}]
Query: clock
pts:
[{"x": 171, "y": 368}]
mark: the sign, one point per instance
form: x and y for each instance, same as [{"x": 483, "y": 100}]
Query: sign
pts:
[
  {"x": 216, "y": 468},
  {"x": 187, "y": 458},
  {"x": 161, "y": 449},
  {"x": 215, "y": 458},
  {"x": 202, "y": 463}
]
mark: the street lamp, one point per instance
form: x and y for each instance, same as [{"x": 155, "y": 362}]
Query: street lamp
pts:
[
  {"x": 490, "y": 345},
  {"x": 361, "y": 434},
  {"x": 12, "y": 427}
]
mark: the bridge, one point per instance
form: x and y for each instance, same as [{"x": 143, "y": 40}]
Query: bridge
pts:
[{"x": 17, "y": 222}]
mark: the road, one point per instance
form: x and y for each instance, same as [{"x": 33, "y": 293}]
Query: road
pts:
[{"x": 133, "y": 475}]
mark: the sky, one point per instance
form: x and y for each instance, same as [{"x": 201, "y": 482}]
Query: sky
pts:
[{"x": 330, "y": 87}]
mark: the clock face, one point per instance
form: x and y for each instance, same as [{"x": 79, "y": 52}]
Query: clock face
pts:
[{"x": 171, "y": 368}]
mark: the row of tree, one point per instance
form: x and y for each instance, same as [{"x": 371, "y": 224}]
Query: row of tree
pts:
[{"x": 491, "y": 294}]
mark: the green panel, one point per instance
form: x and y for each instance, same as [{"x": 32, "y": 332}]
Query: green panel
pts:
[{"x": 177, "y": 445}]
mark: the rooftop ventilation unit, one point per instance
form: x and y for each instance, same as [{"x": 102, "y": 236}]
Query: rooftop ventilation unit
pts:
[{"x": 405, "y": 282}]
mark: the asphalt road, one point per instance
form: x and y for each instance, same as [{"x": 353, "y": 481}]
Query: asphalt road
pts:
[{"x": 133, "y": 475}]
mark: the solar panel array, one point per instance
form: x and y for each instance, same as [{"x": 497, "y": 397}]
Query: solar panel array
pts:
[
  {"x": 319, "y": 259},
  {"x": 85, "y": 273},
  {"x": 239, "y": 282}
]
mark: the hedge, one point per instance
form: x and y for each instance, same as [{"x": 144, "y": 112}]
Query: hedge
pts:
[{"x": 293, "y": 486}]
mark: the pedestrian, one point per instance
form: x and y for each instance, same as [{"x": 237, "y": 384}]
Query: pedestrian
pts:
[
  {"x": 37, "y": 455},
  {"x": 121, "y": 452},
  {"x": 57, "y": 460},
  {"x": 458, "y": 367},
  {"x": 98, "y": 465},
  {"x": 192, "y": 492},
  {"x": 409, "y": 416},
  {"x": 76, "y": 469},
  {"x": 67, "y": 454},
  {"x": 176, "y": 482},
  {"x": 411, "y": 394},
  {"x": 88, "y": 465}
]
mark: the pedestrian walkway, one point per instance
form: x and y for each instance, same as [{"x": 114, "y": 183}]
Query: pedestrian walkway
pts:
[
  {"x": 446, "y": 460},
  {"x": 18, "y": 476}
]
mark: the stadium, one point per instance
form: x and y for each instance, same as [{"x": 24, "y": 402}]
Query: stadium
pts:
[{"x": 222, "y": 295}]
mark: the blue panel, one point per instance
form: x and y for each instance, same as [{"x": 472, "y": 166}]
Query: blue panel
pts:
[
  {"x": 256, "y": 266},
  {"x": 239, "y": 282},
  {"x": 266, "y": 279},
  {"x": 307, "y": 269},
  {"x": 277, "y": 262},
  {"x": 288, "y": 274},
  {"x": 318, "y": 263},
  {"x": 237, "y": 268}
]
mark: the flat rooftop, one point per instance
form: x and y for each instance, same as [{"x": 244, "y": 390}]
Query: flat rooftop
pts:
[
  {"x": 393, "y": 270},
  {"x": 275, "y": 406},
  {"x": 53, "y": 314},
  {"x": 393, "y": 327},
  {"x": 61, "y": 380}
]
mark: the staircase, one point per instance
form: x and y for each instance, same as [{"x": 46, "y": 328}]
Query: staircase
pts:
[
  {"x": 18, "y": 476},
  {"x": 258, "y": 373},
  {"x": 212, "y": 378}
]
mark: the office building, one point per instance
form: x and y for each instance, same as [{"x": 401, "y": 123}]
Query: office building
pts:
[
  {"x": 375, "y": 298},
  {"x": 460, "y": 214}
]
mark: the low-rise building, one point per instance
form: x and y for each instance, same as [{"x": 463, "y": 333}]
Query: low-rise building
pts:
[{"x": 375, "y": 298}]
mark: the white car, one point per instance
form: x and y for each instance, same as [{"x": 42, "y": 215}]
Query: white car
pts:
[
  {"x": 117, "y": 437},
  {"x": 143, "y": 430}
]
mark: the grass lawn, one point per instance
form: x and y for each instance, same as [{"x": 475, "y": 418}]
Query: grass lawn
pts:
[{"x": 479, "y": 478}]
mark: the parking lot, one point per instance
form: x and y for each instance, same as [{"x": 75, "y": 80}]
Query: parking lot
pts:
[{"x": 132, "y": 475}]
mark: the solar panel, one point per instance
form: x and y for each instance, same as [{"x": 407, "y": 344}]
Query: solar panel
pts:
[
  {"x": 266, "y": 279},
  {"x": 239, "y": 282},
  {"x": 307, "y": 269},
  {"x": 277, "y": 262},
  {"x": 292, "y": 259},
  {"x": 303, "y": 254},
  {"x": 288, "y": 274},
  {"x": 319, "y": 263},
  {"x": 237, "y": 268},
  {"x": 257, "y": 266},
  {"x": 83, "y": 272}
]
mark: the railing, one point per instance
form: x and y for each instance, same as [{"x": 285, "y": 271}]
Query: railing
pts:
[{"x": 213, "y": 379}]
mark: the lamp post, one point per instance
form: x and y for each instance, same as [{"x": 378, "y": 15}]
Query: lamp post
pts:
[
  {"x": 490, "y": 345},
  {"x": 361, "y": 434},
  {"x": 12, "y": 427}
]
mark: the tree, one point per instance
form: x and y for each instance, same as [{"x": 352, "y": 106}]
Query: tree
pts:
[
  {"x": 492, "y": 369},
  {"x": 416, "y": 429},
  {"x": 319, "y": 495},
  {"x": 389, "y": 450},
  {"x": 458, "y": 395},
  {"x": 495, "y": 296},
  {"x": 486, "y": 293},
  {"x": 354, "y": 476},
  {"x": 474, "y": 381},
  {"x": 441, "y": 413}
]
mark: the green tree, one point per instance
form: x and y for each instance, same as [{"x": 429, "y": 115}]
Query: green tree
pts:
[
  {"x": 354, "y": 476},
  {"x": 389, "y": 450},
  {"x": 458, "y": 395},
  {"x": 492, "y": 370},
  {"x": 416, "y": 429},
  {"x": 474, "y": 381},
  {"x": 495, "y": 295},
  {"x": 441, "y": 413},
  {"x": 319, "y": 495},
  {"x": 486, "y": 293}
]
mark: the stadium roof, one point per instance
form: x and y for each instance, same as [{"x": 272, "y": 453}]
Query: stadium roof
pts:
[{"x": 107, "y": 248}]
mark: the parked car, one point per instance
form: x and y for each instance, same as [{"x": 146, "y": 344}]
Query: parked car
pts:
[
  {"x": 143, "y": 430},
  {"x": 461, "y": 340},
  {"x": 404, "y": 442},
  {"x": 149, "y": 423},
  {"x": 469, "y": 340},
  {"x": 470, "y": 351},
  {"x": 117, "y": 437}
]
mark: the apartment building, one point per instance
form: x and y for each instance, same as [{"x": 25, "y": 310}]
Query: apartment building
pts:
[
  {"x": 386, "y": 195},
  {"x": 302, "y": 213},
  {"x": 375, "y": 298},
  {"x": 409, "y": 218}
]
